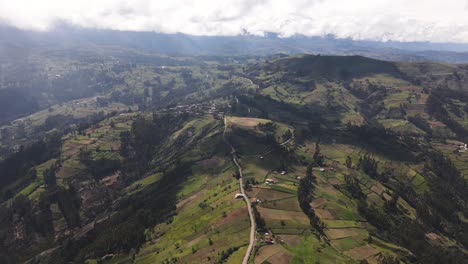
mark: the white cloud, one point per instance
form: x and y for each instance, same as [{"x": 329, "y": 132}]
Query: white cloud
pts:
[{"x": 403, "y": 20}]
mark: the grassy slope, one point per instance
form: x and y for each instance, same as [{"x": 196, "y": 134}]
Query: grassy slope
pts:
[{"x": 206, "y": 208}]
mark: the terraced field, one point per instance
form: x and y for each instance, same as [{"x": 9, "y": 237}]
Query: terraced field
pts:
[
  {"x": 459, "y": 158},
  {"x": 209, "y": 220}
]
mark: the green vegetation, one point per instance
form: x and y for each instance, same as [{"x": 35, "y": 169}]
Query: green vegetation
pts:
[{"x": 345, "y": 159}]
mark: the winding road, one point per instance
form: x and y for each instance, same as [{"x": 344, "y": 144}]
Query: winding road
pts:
[{"x": 246, "y": 198}]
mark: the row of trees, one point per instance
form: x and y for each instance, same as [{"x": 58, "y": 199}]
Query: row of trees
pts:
[{"x": 305, "y": 194}]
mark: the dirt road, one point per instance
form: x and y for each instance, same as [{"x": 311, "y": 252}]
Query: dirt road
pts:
[{"x": 246, "y": 198}]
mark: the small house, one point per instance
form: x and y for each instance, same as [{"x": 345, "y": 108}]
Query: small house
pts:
[
  {"x": 269, "y": 238},
  {"x": 238, "y": 195},
  {"x": 462, "y": 148},
  {"x": 271, "y": 181},
  {"x": 283, "y": 172}
]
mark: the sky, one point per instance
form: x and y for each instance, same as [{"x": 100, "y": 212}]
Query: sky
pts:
[{"x": 381, "y": 20}]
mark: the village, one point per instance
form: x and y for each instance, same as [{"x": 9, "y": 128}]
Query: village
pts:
[{"x": 215, "y": 109}]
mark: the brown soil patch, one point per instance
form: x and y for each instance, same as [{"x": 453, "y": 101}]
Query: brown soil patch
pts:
[
  {"x": 318, "y": 202},
  {"x": 375, "y": 259},
  {"x": 377, "y": 189},
  {"x": 231, "y": 216},
  {"x": 283, "y": 215},
  {"x": 115, "y": 146},
  {"x": 111, "y": 180},
  {"x": 387, "y": 197},
  {"x": 331, "y": 189},
  {"x": 71, "y": 152},
  {"x": 265, "y": 252},
  {"x": 374, "y": 198},
  {"x": 323, "y": 213},
  {"x": 86, "y": 141},
  {"x": 451, "y": 147},
  {"x": 73, "y": 145},
  {"x": 336, "y": 233},
  {"x": 440, "y": 240},
  {"x": 422, "y": 100},
  {"x": 246, "y": 121},
  {"x": 360, "y": 253},
  {"x": 432, "y": 236},
  {"x": 291, "y": 240},
  {"x": 66, "y": 172},
  {"x": 274, "y": 254},
  {"x": 334, "y": 181}
]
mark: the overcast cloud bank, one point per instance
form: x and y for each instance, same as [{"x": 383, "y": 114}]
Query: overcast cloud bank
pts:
[{"x": 382, "y": 20}]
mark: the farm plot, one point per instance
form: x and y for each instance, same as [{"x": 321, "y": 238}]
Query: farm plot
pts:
[
  {"x": 274, "y": 254},
  {"x": 337, "y": 233},
  {"x": 460, "y": 160},
  {"x": 323, "y": 213},
  {"x": 363, "y": 252},
  {"x": 342, "y": 223},
  {"x": 284, "y": 222},
  {"x": 246, "y": 122},
  {"x": 287, "y": 204},
  {"x": 274, "y": 214},
  {"x": 264, "y": 194},
  {"x": 318, "y": 202},
  {"x": 346, "y": 243}
]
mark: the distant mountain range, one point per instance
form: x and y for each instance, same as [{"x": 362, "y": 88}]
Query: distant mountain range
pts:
[{"x": 15, "y": 41}]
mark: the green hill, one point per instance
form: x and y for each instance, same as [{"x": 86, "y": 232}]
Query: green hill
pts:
[
  {"x": 345, "y": 160},
  {"x": 334, "y": 68}
]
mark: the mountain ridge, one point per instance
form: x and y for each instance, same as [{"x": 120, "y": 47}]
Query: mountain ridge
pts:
[{"x": 182, "y": 44}]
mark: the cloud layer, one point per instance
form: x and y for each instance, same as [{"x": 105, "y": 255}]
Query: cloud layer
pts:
[{"x": 398, "y": 20}]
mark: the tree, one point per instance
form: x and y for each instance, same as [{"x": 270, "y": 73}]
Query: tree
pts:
[
  {"x": 318, "y": 157},
  {"x": 287, "y": 135},
  {"x": 352, "y": 185},
  {"x": 32, "y": 174},
  {"x": 21, "y": 205},
  {"x": 349, "y": 163},
  {"x": 369, "y": 166},
  {"x": 50, "y": 178}
]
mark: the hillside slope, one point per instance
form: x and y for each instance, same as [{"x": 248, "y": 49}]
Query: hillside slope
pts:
[{"x": 344, "y": 159}]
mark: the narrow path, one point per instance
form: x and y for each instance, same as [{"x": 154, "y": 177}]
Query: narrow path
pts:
[{"x": 246, "y": 199}]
